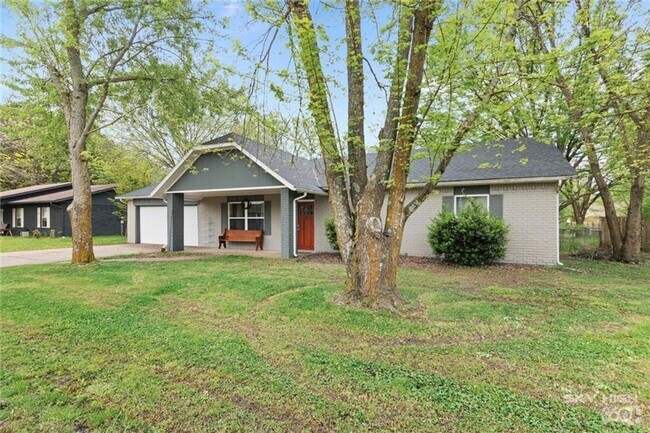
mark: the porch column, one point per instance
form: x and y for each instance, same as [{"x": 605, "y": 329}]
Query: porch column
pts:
[
  {"x": 175, "y": 223},
  {"x": 287, "y": 225}
]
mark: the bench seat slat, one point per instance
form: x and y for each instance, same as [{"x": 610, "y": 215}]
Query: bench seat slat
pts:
[{"x": 254, "y": 236}]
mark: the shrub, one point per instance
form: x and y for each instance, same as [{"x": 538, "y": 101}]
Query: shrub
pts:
[
  {"x": 472, "y": 238},
  {"x": 330, "y": 232},
  {"x": 37, "y": 234}
]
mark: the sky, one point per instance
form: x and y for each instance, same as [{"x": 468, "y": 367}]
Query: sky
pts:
[{"x": 244, "y": 30}]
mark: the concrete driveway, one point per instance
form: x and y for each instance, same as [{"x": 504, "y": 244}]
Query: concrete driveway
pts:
[{"x": 56, "y": 255}]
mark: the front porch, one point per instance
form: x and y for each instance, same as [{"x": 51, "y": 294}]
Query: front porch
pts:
[
  {"x": 271, "y": 210},
  {"x": 232, "y": 183}
]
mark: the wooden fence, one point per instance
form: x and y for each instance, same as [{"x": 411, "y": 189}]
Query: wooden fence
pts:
[{"x": 606, "y": 242}]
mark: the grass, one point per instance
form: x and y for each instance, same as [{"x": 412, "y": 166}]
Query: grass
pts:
[
  {"x": 17, "y": 243},
  {"x": 247, "y": 344}
]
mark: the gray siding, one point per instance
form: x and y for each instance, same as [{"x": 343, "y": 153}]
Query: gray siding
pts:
[
  {"x": 105, "y": 220},
  {"x": 175, "y": 222},
  {"x": 287, "y": 225},
  {"x": 221, "y": 171}
]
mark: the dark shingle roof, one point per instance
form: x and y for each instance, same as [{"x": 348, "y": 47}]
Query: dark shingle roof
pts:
[
  {"x": 32, "y": 189},
  {"x": 505, "y": 159},
  {"x": 508, "y": 159},
  {"x": 140, "y": 193},
  {"x": 58, "y": 196}
]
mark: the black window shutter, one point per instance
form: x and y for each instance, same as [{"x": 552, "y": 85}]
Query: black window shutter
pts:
[
  {"x": 267, "y": 217},
  {"x": 224, "y": 217},
  {"x": 448, "y": 204},
  {"x": 496, "y": 206}
]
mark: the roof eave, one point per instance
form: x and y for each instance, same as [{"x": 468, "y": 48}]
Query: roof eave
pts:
[
  {"x": 132, "y": 197},
  {"x": 540, "y": 179}
]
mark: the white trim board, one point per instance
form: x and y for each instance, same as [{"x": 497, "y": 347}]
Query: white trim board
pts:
[{"x": 499, "y": 181}]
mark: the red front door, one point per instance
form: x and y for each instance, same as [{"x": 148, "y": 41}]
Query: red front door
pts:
[{"x": 305, "y": 225}]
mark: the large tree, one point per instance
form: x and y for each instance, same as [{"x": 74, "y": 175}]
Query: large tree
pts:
[
  {"x": 600, "y": 67},
  {"x": 421, "y": 60},
  {"x": 91, "y": 51},
  {"x": 164, "y": 122},
  {"x": 32, "y": 145}
]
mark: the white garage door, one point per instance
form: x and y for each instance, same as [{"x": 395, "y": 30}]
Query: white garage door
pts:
[{"x": 153, "y": 225}]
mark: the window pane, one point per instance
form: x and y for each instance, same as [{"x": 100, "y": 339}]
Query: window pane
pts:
[
  {"x": 255, "y": 224},
  {"x": 237, "y": 224},
  {"x": 18, "y": 217},
  {"x": 45, "y": 217},
  {"x": 236, "y": 210},
  {"x": 462, "y": 202},
  {"x": 256, "y": 210}
]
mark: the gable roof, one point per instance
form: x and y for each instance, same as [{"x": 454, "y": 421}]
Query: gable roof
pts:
[
  {"x": 508, "y": 160},
  {"x": 59, "y": 196},
  {"x": 34, "y": 189},
  {"x": 300, "y": 172},
  {"x": 292, "y": 171}
]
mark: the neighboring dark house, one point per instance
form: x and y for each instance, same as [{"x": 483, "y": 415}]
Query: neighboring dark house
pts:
[{"x": 44, "y": 207}]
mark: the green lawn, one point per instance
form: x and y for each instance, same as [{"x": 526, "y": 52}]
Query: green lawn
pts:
[
  {"x": 246, "y": 344},
  {"x": 17, "y": 243}
]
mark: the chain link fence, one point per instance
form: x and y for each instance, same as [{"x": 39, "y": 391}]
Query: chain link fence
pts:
[{"x": 575, "y": 239}]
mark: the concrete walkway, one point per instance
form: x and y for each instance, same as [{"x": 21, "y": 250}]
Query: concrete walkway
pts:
[{"x": 55, "y": 255}]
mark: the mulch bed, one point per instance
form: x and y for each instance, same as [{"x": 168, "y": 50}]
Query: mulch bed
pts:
[
  {"x": 417, "y": 262},
  {"x": 470, "y": 278}
]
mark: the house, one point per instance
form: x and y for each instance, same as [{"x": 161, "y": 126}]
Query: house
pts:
[
  {"x": 44, "y": 207},
  {"x": 234, "y": 182}
]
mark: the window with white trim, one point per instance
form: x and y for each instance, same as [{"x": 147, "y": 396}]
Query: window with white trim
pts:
[
  {"x": 43, "y": 217},
  {"x": 17, "y": 216},
  {"x": 461, "y": 201},
  {"x": 246, "y": 218}
]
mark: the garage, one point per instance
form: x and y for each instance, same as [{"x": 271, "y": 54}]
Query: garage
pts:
[{"x": 153, "y": 225}]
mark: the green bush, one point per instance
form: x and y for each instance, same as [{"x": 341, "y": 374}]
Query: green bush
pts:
[
  {"x": 37, "y": 234},
  {"x": 472, "y": 238},
  {"x": 330, "y": 232}
]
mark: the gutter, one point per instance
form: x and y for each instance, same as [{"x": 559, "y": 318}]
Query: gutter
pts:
[{"x": 295, "y": 224}]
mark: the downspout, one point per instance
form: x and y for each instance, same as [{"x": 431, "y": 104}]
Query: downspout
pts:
[
  {"x": 557, "y": 223},
  {"x": 295, "y": 224}
]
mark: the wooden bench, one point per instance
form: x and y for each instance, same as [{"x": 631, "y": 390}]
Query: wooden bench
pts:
[{"x": 252, "y": 236}]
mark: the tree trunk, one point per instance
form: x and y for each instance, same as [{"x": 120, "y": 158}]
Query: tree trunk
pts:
[
  {"x": 632, "y": 243},
  {"x": 373, "y": 265},
  {"x": 80, "y": 210},
  {"x": 579, "y": 215},
  {"x": 369, "y": 247}
]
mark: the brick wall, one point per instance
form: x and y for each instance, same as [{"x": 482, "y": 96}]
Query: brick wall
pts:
[
  {"x": 209, "y": 214},
  {"x": 530, "y": 210},
  {"x": 322, "y": 210},
  {"x": 130, "y": 222}
]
